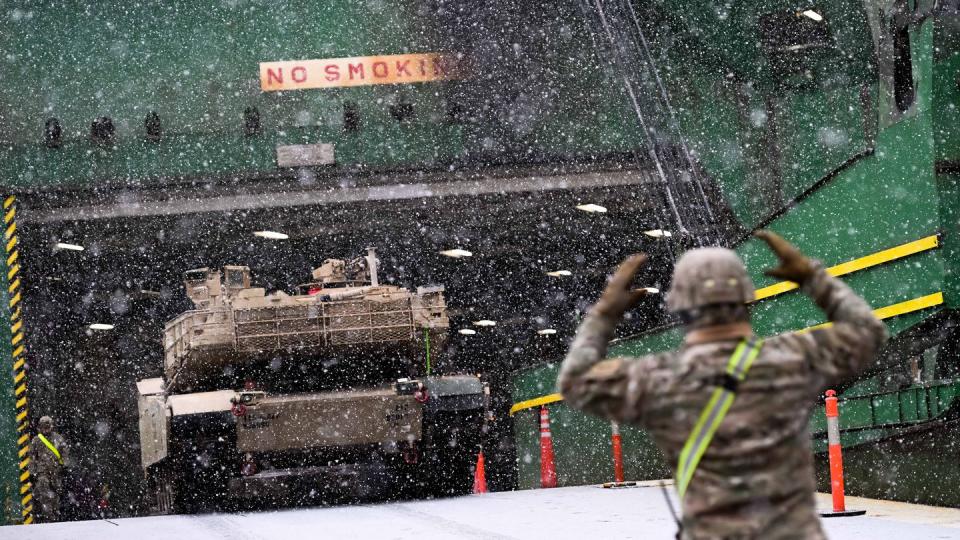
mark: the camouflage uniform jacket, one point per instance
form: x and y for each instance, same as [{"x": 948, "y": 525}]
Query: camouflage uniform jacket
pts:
[
  {"x": 756, "y": 478},
  {"x": 47, "y": 473}
]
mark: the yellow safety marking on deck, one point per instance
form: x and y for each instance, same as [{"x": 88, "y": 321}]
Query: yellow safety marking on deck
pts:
[
  {"x": 24, "y": 439},
  {"x": 875, "y": 259},
  {"x": 25, "y": 488},
  {"x": 910, "y": 306},
  {"x": 28, "y": 520},
  {"x": 19, "y": 376},
  {"x": 12, "y": 258},
  {"x": 894, "y": 310},
  {"x": 16, "y": 326},
  {"x": 535, "y": 402},
  {"x": 23, "y": 451},
  {"x": 24, "y": 463},
  {"x": 22, "y": 402},
  {"x": 9, "y": 201},
  {"x": 21, "y": 389},
  {"x": 11, "y": 243},
  {"x": 11, "y": 230},
  {"x": 13, "y": 285},
  {"x": 18, "y": 351},
  {"x": 21, "y": 415},
  {"x": 26, "y": 499},
  {"x": 24, "y": 476},
  {"x": 27, "y": 510},
  {"x": 15, "y": 299},
  {"x": 19, "y": 364},
  {"x": 17, "y": 339},
  {"x": 9, "y": 215},
  {"x": 13, "y": 271},
  {"x": 886, "y": 312}
]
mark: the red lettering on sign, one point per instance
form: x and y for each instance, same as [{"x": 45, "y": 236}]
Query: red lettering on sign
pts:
[
  {"x": 275, "y": 77},
  {"x": 355, "y": 68},
  {"x": 299, "y": 74},
  {"x": 333, "y": 72},
  {"x": 356, "y": 71}
]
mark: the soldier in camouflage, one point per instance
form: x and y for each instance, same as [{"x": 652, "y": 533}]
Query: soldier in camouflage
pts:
[
  {"x": 48, "y": 455},
  {"x": 755, "y": 479}
]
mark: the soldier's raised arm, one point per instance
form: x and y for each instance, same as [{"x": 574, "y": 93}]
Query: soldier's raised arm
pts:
[
  {"x": 605, "y": 387},
  {"x": 844, "y": 349}
]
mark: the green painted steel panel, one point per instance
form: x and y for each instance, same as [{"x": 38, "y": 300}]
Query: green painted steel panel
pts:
[
  {"x": 909, "y": 411},
  {"x": 887, "y": 409},
  {"x": 196, "y": 65}
]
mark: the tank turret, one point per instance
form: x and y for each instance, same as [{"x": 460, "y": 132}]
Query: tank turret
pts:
[{"x": 342, "y": 312}]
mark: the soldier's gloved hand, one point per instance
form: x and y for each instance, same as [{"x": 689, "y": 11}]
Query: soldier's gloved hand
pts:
[
  {"x": 794, "y": 266},
  {"x": 618, "y": 297}
]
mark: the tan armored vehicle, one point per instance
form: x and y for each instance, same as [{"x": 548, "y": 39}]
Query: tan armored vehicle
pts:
[{"x": 274, "y": 395}]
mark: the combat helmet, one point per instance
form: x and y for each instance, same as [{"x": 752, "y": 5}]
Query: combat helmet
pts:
[{"x": 708, "y": 276}]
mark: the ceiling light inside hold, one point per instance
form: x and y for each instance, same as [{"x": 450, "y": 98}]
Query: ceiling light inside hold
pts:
[
  {"x": 456, "y": 253},
  {"x": 69, "y": 247},
  {"x": 592, "y": 208},
  {"x": 485, "y": 322},
  {"x": 101, "y": 326},
  {"x": 812, "y": 15},
  {"x": 547, "y": 331},
  {"x": 560, "y": 273},
  {"x": 652, "y": 290},
  {"x": 271, "y": 235},
  {"x": 468, "y": 331},
  {"x": 658, "y": 233}
]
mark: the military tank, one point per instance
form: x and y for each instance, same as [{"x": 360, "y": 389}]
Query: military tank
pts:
[{"x": 331, "y": 391}]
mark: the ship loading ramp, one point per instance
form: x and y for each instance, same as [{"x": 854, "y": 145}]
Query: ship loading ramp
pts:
[{"x": 575, "y": 512}]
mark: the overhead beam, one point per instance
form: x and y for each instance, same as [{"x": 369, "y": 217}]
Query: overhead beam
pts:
[{"x": 179, "y": 204}]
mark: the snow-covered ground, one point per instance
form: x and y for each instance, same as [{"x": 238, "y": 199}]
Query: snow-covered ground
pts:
[{"x": 584, "y": 513}]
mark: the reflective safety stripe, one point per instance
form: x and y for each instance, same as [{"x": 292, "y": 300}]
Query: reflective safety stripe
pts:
[
  {"x": 713, "y": 413},
  {"x": 51, "y": 447}
]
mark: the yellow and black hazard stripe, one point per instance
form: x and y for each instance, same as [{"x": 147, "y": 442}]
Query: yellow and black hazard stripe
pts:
[{"x": 19, "y": 359}]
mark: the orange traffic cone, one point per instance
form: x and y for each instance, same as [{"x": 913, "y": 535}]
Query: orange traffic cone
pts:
[
  {"x": 480, "y": 475},
  {"x": 548, "y": 471}
]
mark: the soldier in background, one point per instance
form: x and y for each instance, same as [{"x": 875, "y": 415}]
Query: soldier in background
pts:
[
  {"x": 48, "y": 456},
  {"x": 729, "y": 410}
]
